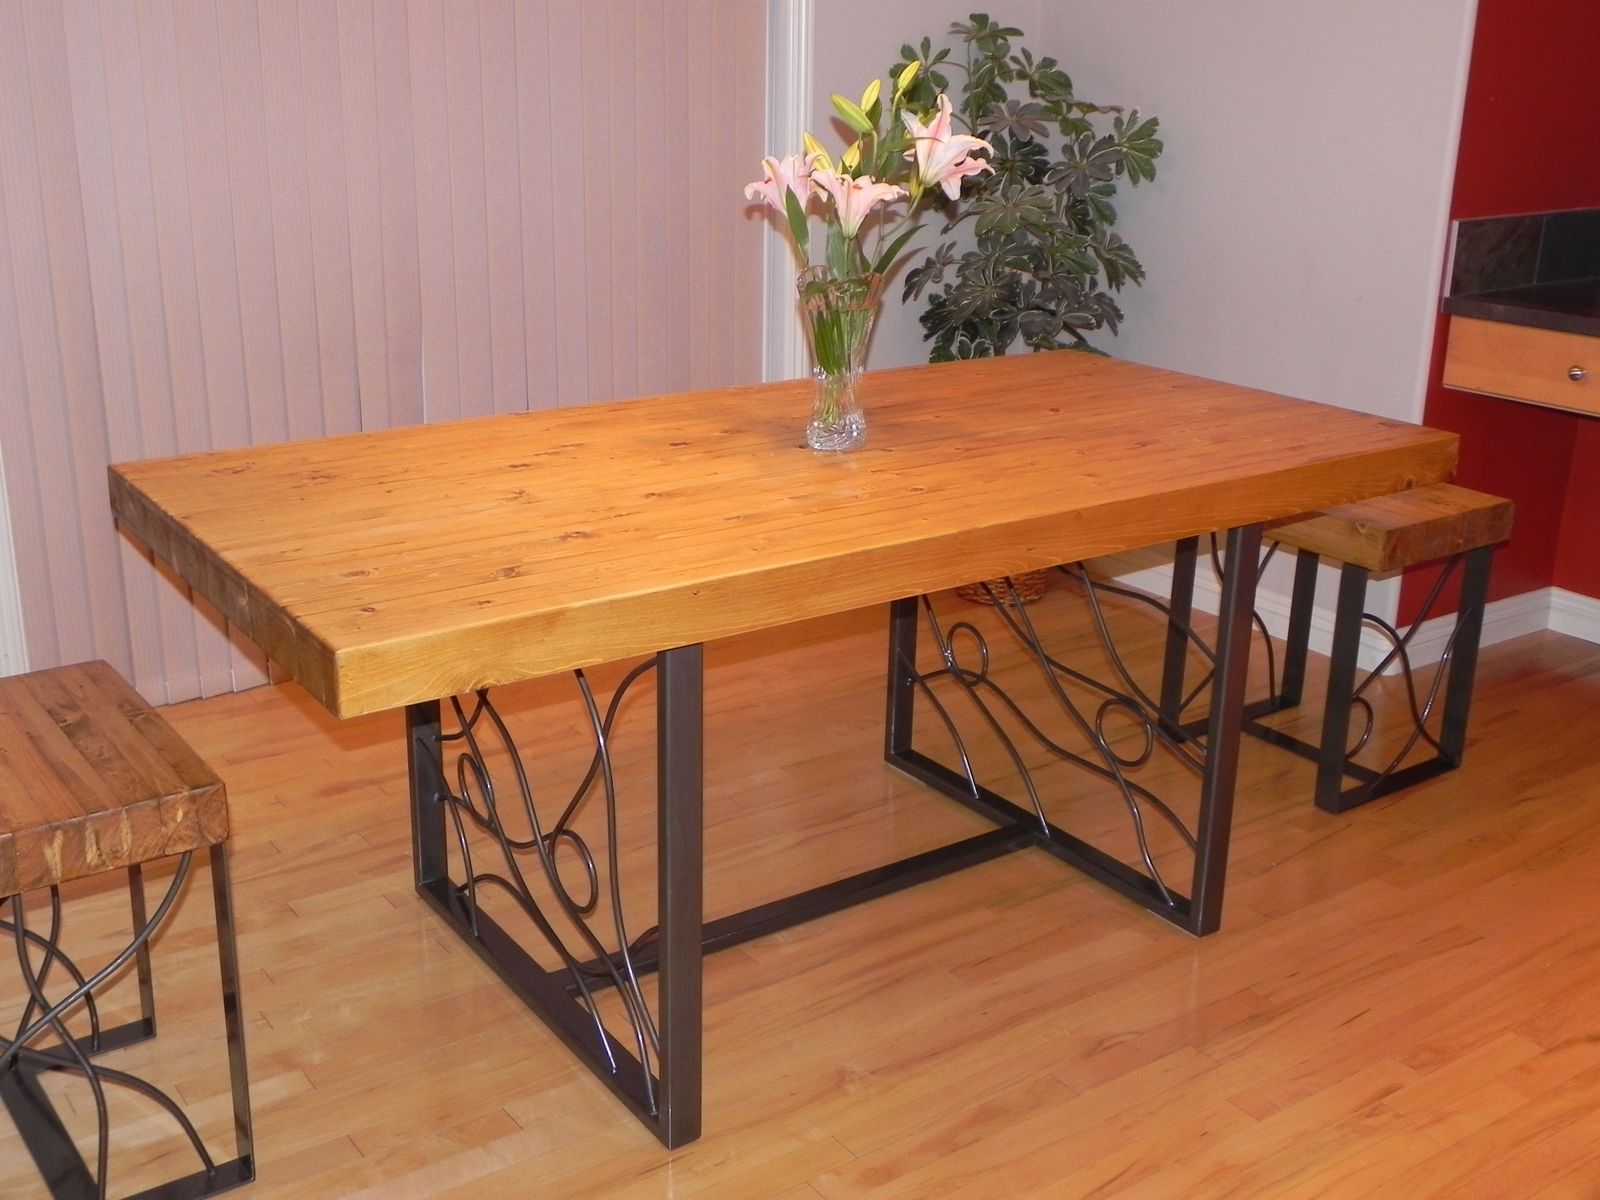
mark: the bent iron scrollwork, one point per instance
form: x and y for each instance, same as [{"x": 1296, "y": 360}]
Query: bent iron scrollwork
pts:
[
  {"x": 42, "y": 1016},
  {"x": 523, "y": 844},
  {"x": 965, "y": 661},
  {"x": 1421, "y": 709}
]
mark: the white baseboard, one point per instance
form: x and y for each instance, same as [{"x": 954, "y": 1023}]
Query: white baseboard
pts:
[
  {"x": 1502, "y": 620},
  {"x": 1565, "y": 612},
  {"x": 1575, "y": 615}
]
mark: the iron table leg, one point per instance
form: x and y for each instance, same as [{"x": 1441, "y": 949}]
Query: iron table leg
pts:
[
  {"x": 1222, "y": 739},
  {"x": 680, "y": 750}
]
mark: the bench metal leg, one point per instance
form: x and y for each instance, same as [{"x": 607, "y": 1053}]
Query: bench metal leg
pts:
[
  {"x": 25, "y": 1056},
  {"x": 147, "y": 986},
  {"x": 1334, "y": 790},
  {"x": 1298, "y": 642},
  {"x": 1342, "y": 661},
  {"x": 1464, "y": 654}
]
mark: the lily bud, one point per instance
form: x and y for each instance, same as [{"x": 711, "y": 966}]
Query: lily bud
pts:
[{"x": 906, "y": 76}]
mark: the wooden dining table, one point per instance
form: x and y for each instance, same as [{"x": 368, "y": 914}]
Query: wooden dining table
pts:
[{"x": 419, "y": 568}]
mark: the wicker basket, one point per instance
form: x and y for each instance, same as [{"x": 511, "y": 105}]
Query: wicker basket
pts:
[{"x": 1030, "y": 586}]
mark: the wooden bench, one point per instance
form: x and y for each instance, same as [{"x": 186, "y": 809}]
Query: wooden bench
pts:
[
  {"x": 93, "y": 780},
  {"x": 1441, "y": 522}
]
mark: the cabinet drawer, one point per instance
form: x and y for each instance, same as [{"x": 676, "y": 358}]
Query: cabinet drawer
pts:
[{"x": 1540, "y": 366}]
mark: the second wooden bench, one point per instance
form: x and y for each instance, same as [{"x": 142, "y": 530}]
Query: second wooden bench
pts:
[{"x": 1442, "y": 523}]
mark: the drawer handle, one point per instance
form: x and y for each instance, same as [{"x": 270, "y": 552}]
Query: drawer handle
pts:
[{"x": 1577, "y": 374}]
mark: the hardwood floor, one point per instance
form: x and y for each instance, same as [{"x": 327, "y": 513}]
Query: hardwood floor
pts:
[{"x": 1401, "y": 1002}]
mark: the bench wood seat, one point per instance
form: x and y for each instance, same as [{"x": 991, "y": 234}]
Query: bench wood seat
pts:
[
  {"x": 1388, "y": 533},
  {"x": 92, "y": 779}
]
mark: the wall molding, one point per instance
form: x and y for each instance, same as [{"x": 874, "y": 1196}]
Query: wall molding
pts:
[
  {"x": 13, "y": 647},
  {"x": 1574, "y": 614},
  {"x": 1548, "y": 608},
  {"x": 790, "y": 34}
]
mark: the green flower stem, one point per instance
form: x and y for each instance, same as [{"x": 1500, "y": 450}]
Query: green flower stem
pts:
[{"x": 838, "y": 335}]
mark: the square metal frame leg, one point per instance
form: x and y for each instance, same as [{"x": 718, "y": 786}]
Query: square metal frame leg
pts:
[
  {"x": 1334, "y": 767},
  {"x": 1220, "y": 778},
  {"x": 66, "y": 1175},
  {"x": 1342, "y": 662},
  {"x": 1200, "y": 912},
  {"x": 1297, "y": 643},
  {"x": 669, "y": 1101}
]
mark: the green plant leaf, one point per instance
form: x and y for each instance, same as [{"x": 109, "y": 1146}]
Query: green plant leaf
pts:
[
  {"x": 799, "y": 227},
  {"x": 1117, "y": 258},
  {"x": 838, "y": 252},
  {"x": 1011, "y": 210},
  {"x": 1017, "y": 119},
  {"x": 1045, "y": 256},
  {"x": 1140, "y": 145},
  {"x": 887, "y": 258}
]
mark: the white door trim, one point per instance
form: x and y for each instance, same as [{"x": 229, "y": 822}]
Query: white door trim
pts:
[
  {"x": 790, "y": 28},
  {"x": 13, "y": 649}
]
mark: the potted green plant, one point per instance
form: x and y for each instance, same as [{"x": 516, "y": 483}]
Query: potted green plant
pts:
[{"x": 1044, "y": 259}]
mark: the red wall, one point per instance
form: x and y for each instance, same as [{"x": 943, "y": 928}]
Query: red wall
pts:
[
  {"x": 1530, "y": 142},
  {"x": 1578, "y": 556}
]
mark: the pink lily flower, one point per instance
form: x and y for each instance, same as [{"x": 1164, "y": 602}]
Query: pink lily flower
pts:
[
  {"x": 944, "y": 158},
  {"x": 792, "y": 174},
  {"x": 854, "y": 198}
]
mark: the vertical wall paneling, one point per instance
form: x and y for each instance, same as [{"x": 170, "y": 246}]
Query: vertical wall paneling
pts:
[
  {"x": 103, "y": 220},
  {"x": 405, "y": 399},
  {"x": 502, "y": 188},
  {"x": 355, "y": 59},
  {"x": 590, "y": 111},
  {"x": 677, "y": 74},
  {"x": 653, "y": 165},
  {"x": 332, "y": 166},
  {"x": 465, "y": 132},
  {"x": 744, "y": 94},
  {"x": 237, "y": 221},
  {"x": 536, "y": 218},
  {"x": 623, "y": 122},
  {"x": 441, "y": 387},
  {"x": 161, "y": 622},
  {"x": 789, "y": 36},
  {"x": 697, "y": 76}
]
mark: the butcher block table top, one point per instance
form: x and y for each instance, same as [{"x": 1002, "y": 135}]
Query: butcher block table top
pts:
[{"x": 387, "y": 568}]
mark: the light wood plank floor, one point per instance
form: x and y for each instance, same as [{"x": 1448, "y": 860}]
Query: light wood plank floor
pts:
[{"x": 1402, "y": 1001}]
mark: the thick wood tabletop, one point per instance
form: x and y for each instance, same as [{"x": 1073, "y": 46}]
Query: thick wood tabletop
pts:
[
  {"x": 386, "y": 568},
  {"x": 92, "y": 779}
]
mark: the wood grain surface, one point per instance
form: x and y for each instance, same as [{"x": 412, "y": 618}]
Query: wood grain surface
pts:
[
  {"x": 91, "y": 780},
  {"x": 402, "y": 565},
  {"x": 1520, "y": 362},
  {"x": 1387, "y": 533},
  {"x": 1398, "y": 1008}
]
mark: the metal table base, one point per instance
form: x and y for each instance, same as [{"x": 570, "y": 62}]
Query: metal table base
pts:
[{"x": 653, "y": 1062}]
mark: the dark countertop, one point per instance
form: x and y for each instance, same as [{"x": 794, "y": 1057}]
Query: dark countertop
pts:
[
  {"x": 1567, "y": 307},
  {"x": 1535, "y": 269}
]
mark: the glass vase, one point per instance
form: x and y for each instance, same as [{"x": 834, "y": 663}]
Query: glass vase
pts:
[{"x": 837, "y": 312}]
